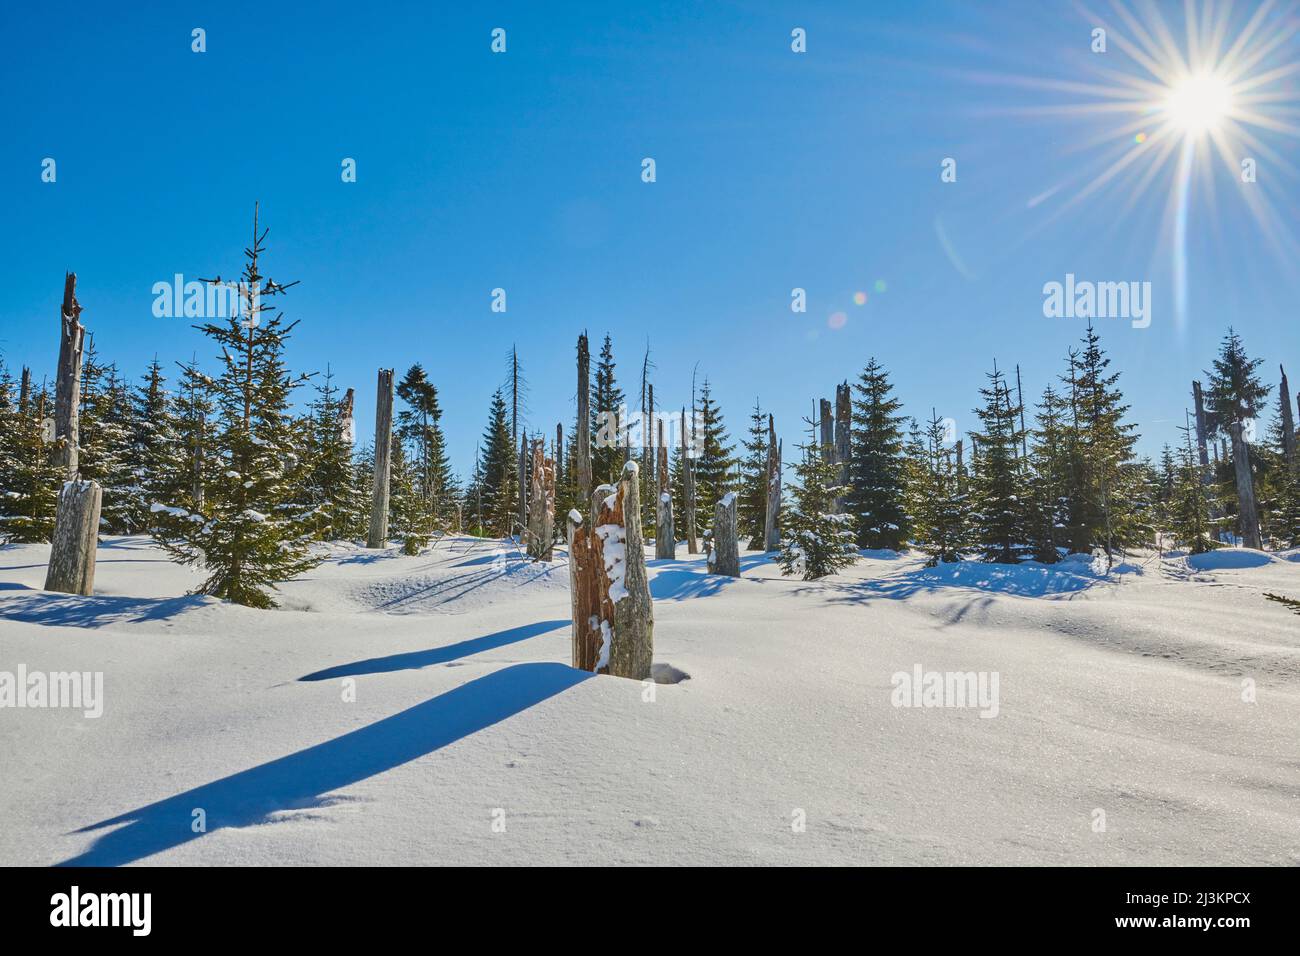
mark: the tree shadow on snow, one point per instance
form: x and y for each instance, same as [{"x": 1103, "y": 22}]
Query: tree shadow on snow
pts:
[
  {"x": 301, "y": 780},
  {"x": 414, "y": 660},
  {"x": 1023, "y": 580},
  {"x": 97, "y": 610}
]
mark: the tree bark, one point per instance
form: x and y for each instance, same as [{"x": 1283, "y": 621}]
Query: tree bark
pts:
[
  {"x": 772, "y": 514},
  {"x": 1202, "y": 433},
  {"x": 521, "y": 484},
  {"x": 1247, "y": 512},
  {"x": 827, "y": 432},
  {"x": 665, "y": 533},
  {"x": 67, "y": 395},
  {"x": 613, "y": 614},
  {"x": 726, "y": 547},
  {"x": 688, "y": 492},
  {"x": 582, "y": 444},
  {"x": 843, "y": 438},
  {"x": 378, "y": 536},
  {"x": 25, "y": 390},
  {"x": 76, "y": 534},
  {"x": 347, "y": 419},
  {"x": 541, "y": 505}
]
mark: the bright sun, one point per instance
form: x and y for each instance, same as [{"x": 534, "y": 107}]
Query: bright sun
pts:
[{"x": 1198, "y": 103}]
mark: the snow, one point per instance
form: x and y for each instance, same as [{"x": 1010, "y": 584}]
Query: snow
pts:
[
  {"x": 1223, "y": 559},
  {"x": 614, "y": 549},
  {"x": 575, "y": 516},
  {"x": 1120, "y": 692}
]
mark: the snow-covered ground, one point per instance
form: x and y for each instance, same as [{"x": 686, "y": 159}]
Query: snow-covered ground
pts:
[{"x": 471, "y": 740}]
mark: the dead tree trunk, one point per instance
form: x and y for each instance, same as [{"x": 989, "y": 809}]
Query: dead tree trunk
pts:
[
  {"x": 76, "y": 531},
  {"x": 196, "y": 460},
  {"x": 67, "y": 393},
  {"x": 541, "y": 504},
  {"x": 665, "y": 533},
  {"x": 378, "y": 535},
  {"x": 347, "y": 419},
  {"x": 613, "y": 614},
  {"x": 827, "y": 432},
  {"x": 1288, "y": 422},
  {"x": 1247, "y": 512},
  {"x": 688, "y": 491},
  {"x": 582, "y": 442},
  {"x": 843, "y": 438},
  {"x": 772, "y": 515},
  {"x": 1202, "y": 433},
  {"x": 521, "y": 485},
  {"x": 726, "y": 547},
  {"x": 25, "y": 390}
]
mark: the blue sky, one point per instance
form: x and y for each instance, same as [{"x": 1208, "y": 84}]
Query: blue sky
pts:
[{"x": 521, "y": 170}]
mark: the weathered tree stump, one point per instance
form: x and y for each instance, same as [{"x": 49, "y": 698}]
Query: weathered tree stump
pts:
[
  {"x": 665, "y": 533},
  {"x": 582, "y": 440},
  {"x": 378, "y": 535},
  {"x": 1288, "y": 422},
  {"x": 726, "y": 547},
  {"x": 613, "y": 614},
  {"x": 772, "y": 515},
  {"x": 541, "y": 505},
  {"x": 76, "y": 534}
]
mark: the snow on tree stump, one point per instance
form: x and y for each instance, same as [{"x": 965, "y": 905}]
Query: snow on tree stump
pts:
[
  {"x": 725, "y": 558},
  {"x": 76, "y": 530},
  {"x": 541, "y": 505},
  {"x": 613, "y": 614}
]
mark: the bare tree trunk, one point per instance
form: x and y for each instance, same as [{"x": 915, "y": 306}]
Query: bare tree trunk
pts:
[
  {"x": 76, "y": 533},
  {"x": 558, "y": 454},
  {"x": 613, "y": 614},
  {"x": 827, "y": 432},
  {"x": 1247, "y": 513},
  {"x": 521, "y": 485},
  {"x": 196, "y": 461},
  {"x": 541, "y": 506},
  {"x": 772, "y": 516},
  {"x": 378, "y": 535},
  {"x": 688, "y": 492},
  {"x": 347, "y": 418},
  {"x": 67, "y": 393},
  {"x": 1288, "y": 422},
  {"x": 1201, "y": 432},
  {"x": 583, "y": 441},
  {"x": 25, "y": 390},
  {"x": 726, "y": 547},
  {"x": 843, "y": 439},
  {"x": 665, "y": 533}
]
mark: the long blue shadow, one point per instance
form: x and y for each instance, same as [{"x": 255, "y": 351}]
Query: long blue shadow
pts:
[
  {"x": 97, "y": 610},
  {"x": 414, "y": 660},
  {"x": 302, "y": 779}
]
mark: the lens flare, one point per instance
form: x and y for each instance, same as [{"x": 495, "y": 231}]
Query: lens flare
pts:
[{"x": 859, "y": 298}]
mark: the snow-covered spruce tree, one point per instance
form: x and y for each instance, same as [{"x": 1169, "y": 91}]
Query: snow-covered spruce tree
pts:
[
  {"x": 751, "y": 501},
  {"x": 32, "y": 479},
  {"x": 937, "y": 495},
  {"x": 105, "y": 445},
  {"x": 876, "y": 470},
  {"x": 818, "y": 540},
  {"x": 153, "y": 445},
  {"x": 339, "y": 509},
  {"x": 714, "y": 463},
  {"x": 1100, "y": 447},
  {"x": 1049, "y": 475},
  {"x": 184, "y": 480},
  {"x": 409, "y": 519},
  {"x": 606, "y": 401},
  {"x": 999, "y": 514},
  {"x": 250, "y": 534}
]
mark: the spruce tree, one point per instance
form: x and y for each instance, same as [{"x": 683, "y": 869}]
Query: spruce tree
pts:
[
  {"x": 106, "y": 430},
  {"x": 751, "y": 502},
  {"x": 339, "y": 509},
  {"x": 607, "y": 403},
  {"x": 1190, "y": 506},
  {"x": 1049, "y": 477},
  {"x": 250, "y": 534},
  {"x": 999, "y": 516},
  {"x": 818, "y": 541},
  {"x": 497, "y": 479},
  {"x": 937, "y": 495},
  {"x": 876, "y": 470},
  {"x": 31, "y": 479},
  {"x": 419, "y": 425},
  {"x": 714, "y": 463},
  {"x": 153, "y": 445}
]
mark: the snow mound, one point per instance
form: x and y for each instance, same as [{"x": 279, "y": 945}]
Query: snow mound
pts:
[{"x": 1229, "y": 559}]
